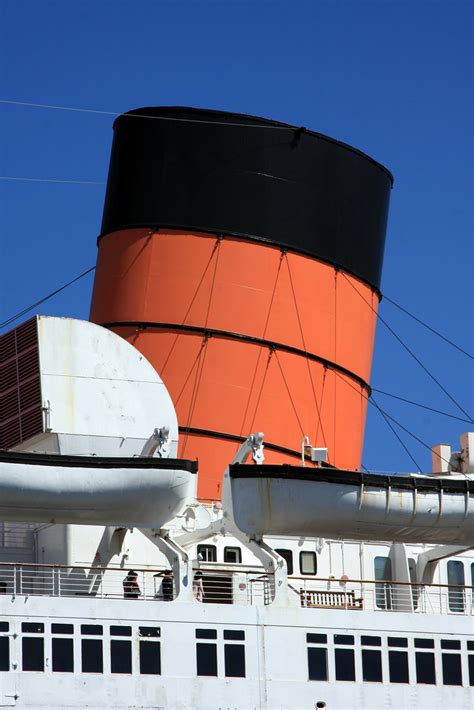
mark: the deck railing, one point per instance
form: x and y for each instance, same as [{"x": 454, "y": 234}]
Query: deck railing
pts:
[
  {"x": 238, "y": 585},
  {"x": 375, "y": 595},
  {"x": 231, "y": 586}
]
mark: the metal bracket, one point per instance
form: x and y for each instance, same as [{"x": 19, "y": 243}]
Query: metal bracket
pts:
[
  {"x": 46, "y": 410},
  {"x": 158, "y": 443}
]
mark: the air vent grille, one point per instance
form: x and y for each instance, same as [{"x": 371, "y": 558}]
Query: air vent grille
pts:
[{"x": 20, "y": 388}]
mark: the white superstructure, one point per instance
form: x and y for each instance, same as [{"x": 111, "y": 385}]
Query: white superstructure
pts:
[{"x": 306, "y": 588}]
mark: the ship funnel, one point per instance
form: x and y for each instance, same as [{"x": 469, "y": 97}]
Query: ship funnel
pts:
[{"x": 243, "y": 258}]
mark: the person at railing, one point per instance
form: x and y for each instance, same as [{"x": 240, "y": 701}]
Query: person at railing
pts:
[
  {"x": 198, "y": 588},
  {"x": 167, "y": 586},
  {"x": 131, "y": 588}
]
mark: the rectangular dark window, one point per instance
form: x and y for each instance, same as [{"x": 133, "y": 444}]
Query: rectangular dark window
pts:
[
  {"x": 63, "y": 655},
  {"x": 456, "y": 593},
  {"x": 206, "y": 659},
  {"x": 470, "y": 660},
  {"x": 120, "y": 630},
  {"x": 92, "y": 656},
  {"x": 383, "y": 592},
  {"x": 208, "y": 553},
  {"x": 470, "y": 645},
  {"x": 91, "y": 630},
  {"x": 371, "y": 641},
  {"x": 452, "y": 673},
  {"x": 29, "y": 628},
  {"x": 398, "y": 666},
  {"x": 288, "y": 557},
  {"x": 344, "y": 639},
  {"x": 62, "y": 629},
  {"x": 234, "y": 660},
  {"x": 150, "y": 657},
  {"x": 33, "y": 653},
  {"x": 150, "y": 631},
  {"x": 4, "y": 653},
  {"x": 451, "y": 644},
  {"x": 4, "y": 626},
  {"x": 120, "y": 657},
  {"x": 424, "y": 643},
  {"x": 232, "y": 555},
  {"x": 316, "y": 638},
  {"x": 234, "y": 635},
  {"x": 308, "y": 562},
  {"x": 397, "y": 642},
  {"x": 425, "y": 668},
  {"x": 371, "y": 666},
  {"x": 317, "y": 663},
  {"x": 345, "y": 668},
  {"x": 206, "y": 634}
]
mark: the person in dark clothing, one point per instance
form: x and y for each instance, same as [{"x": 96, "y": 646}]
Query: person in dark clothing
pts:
[
  {"x": 131, "y": 589},
  {"x": 167, "y": 586}
]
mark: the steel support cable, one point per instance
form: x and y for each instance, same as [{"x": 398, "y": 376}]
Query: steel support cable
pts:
[
  {"x": 396, "y": 435},
  {"x": 422, "y": 406},
  {"x": 22, "y": 313},
  {"x": 200, "y": 366},
  {"x": 194, "y": 394},
  {"x": 405, "y": 346},
  {"x": 325, "y": 370},
  {"x": 195, "y": 361},
  {"x": 270, "y": 355},
  {"x": 410, "y": 433},
  {"x": 216, "y": 244},
  {"x": 263, "y": 338},
  {"x": 152, "y": 118},
  {"x": 289, "y": 393},
  {"x": 211, "y": 292},
  {"x": 428, "y": 327},
  {"x": 53, "y": 180},
  {"x": 371, "y": 401},
  {"x": 320, "y": 423}
]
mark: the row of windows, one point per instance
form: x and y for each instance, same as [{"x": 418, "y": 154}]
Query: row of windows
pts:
[
  {"x": 341, "y": 649},
  {"x": 398, "y": 659},
  {"x": 92, "y": 649},
  {"x": 307, "y": 560},
  {"x": 308, "y": 565}
]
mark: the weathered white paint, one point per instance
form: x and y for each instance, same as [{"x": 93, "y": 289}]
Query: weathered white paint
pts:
[
  {"x": 98, "y": 385},
  {"x": 275, "y": 650},
  {"x": 126, "y": 497},
  {"x": 284, "y": 506}
]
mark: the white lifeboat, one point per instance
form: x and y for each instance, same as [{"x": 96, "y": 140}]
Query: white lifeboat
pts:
[
  {"x": 292, "y": 500},
  {"x": 94, "y": 490}
]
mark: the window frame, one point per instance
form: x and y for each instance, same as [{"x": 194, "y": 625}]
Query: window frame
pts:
[
  {"x": 288, "y": 557},
  {"x": 314, "y": 557}
]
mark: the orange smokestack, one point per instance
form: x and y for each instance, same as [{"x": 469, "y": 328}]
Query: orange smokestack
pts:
[{"x": 243, "y": 258}]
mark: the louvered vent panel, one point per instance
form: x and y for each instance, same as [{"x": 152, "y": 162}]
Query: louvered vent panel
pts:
[
  {"x": 8, "y": 375},
  {"x": 20, "y": 389}
]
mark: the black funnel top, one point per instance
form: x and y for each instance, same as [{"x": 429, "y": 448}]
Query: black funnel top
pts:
[{"x": 228, "y": 173}]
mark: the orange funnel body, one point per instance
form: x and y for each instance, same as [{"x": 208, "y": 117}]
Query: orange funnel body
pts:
[{"x": 249, "y": 332}]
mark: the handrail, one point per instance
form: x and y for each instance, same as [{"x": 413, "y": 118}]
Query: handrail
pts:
[
  {"x": 236, "y": 567},
  {"x": 380, "y": 581}
]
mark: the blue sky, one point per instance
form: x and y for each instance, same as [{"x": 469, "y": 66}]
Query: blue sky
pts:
[{"x": 394, "y": 78}]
